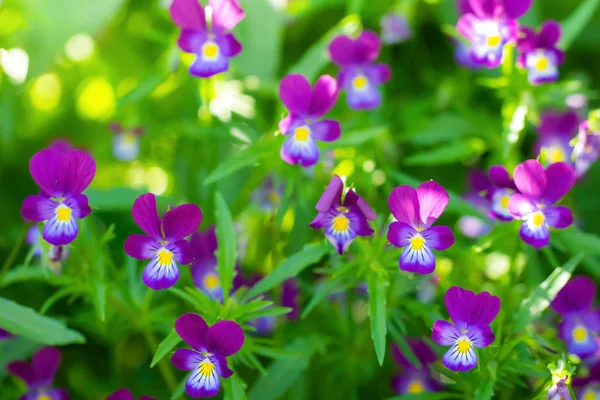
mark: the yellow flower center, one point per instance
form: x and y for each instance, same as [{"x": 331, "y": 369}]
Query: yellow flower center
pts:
[
  {"x": 340, "y": 223},
  {"x": 165, "y": 257},
  {"x": 464, "y": 345},
  {"x": 415, "y": 387},
  {"x": 206, "y": 367},
  {"x": 359, "y": 82},
  {"x": 417, "y": 242},
  {"x": 129, "y": 138},
  {"x": 590, "y": 395},
  {"x": 579, "y": 333},
  {"x": 493, "y": 41},
  {"x": 541, "y": 64},
  {"x": 211, "y": 281},
  {"x": 504, "y": 201},
  {"x": 302, "y": 133},
  {"x": 43, "y": 397},
  {"x": 555, "y": 154},
  {"x": 210, "y": 50},
  {"x": 63, "y": 213},
  {"x": 538, "y": 219}
]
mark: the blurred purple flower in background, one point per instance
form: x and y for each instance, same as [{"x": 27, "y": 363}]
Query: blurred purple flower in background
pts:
[
  {"x": 5, "y": 335},
  {"x": 204, "y": 263},
  {"x": 478, "y": 188},
  {"x": 395, "y": 28},
  {"x": 586, "y": 150},
  {"x": 560, "y": 391},
  {"x": 415, "y": 380},
  {"x": 125, "y": 394},
  {"x": 126, "y": 142},
  {"x": 39, "y": 375},
  {"x": 556, "y": 130},
  {"x": 538, "y": 52}
]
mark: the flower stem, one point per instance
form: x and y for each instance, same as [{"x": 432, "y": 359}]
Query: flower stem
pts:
[{"x": 13, "y": 254}]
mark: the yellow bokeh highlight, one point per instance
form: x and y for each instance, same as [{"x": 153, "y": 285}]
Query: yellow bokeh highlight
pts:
[
  {"x": 96, "y": 99},
  {"x": 46, "y": 91},
  {"x": 344, "y": 168},
  {"x": 10, "y": 21},
  {"x": 158, "y": 180}
]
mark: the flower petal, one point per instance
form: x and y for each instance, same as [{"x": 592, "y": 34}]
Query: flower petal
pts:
[
  {"x": 500, "y": 177},
  {"x": 580, "y": 339},
  {"x": 483, "y": 8},
  {"x": 46, "y": 168},
  {"x": 193, "y": 330},
  {"x": 367, "y": 47},
  {"x": 459, "y": 361},
  {"x": 364, "y": 98},
  {"x": 530, "y": 178},
  {"x": 79, "y": 169},
  {"x": 558, "y": 217},
  {"x": 404, "y": 205},
  {"x": 205, "y": 68},
  {"x": 229, "y": 45},
  {"x": 326, "y": 131},
  {"x": 204, "y": 243},
  {"x": 577, "y": 295},
  {"x": 324, "y": 96},
  {"x": 24, "y": 371},
  {"x": 467, "y": 309},
  {"x": 79, "y": 206},
  {"x": 399, "y": 234},
  {"x": 521, "y": 206},
  {"x": 481, "y": 335},
  {"x": 186, "y": 359},
  {"x": 181, "y": 251},
  {"x": 303, "y": 152},
  {"x": 332, "y": 196},
  {"x": 60, "y": 232},
  {"x": 549, "y": 34},
  {"x": 433, "y": 199},
  {"x": 159, "y": 276},
  {"x": 38, "y": 208},
  {"x": 295, "y": 92},
  {"x": 225, "y": 338},
  {"x": 420, "y": 261},
  {"x": 145, "y": 215},
  {"x": 141, "y": 247},
  {"x": 353, "y": 198},
  {"x": 444, "y": 333},
  {"x": 45, "y": 363},
  {"x": 561, "y": 178},
  {"x": 466, "y": 27},
  {"x": 121, "y": 394},
  {"x": 203, "y": 383},
  {"x": 188, "y": 14},
  {"x": 181, "y": 221},
  {"x": 536, "y": 236},
  {"x": 378, "y": 74},
  {"x": 191, "y": 40},
  {"x": 222, "y": 366},
  {"x": 290, "y": 123},
  {"x": 226, "y": 14},
  {"x": 341, "y": 50},
  {"x": 514, "y": 8},
  {"x": 439, "y": 237}
]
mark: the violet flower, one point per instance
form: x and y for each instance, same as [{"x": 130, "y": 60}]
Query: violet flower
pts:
[
  {"x": 62, "y": 177},
  {"x": 478, "y": 188},
  {"x": 204, "y": 264},
  {"x": 472, "y": 315},
  {"x": 126, "y": 143},
  {"x": 555, "y": 132},
  {"x": 33, "y": 238},
  {"x": 395, "y": 28},
  {"x": 164, "y": 244},
  {"x": 210, "y": 41},
  {"x": 289, "y": 297},
  {"x": 415, "y": 380},
  {"x": 207, "y": 358},
  {"x": 580, "y": 323},
  {"x": 56, "y": 254},
  {"x": 500, "y": 190},
  {"x": 303, "y": 125},
  {"x": 560, "y": 391},
  {"x": 5, "y": 335},
  {"x": 342, "y": 220},
  {"x": 489, "y": 26},
  {"x": 39, "y": 375},
  {"x": 268, "y": 195},
  {"x": 359, "y": 76},
  {"x": 540, "y": 189},
  {"x": 590, "y": 392},
  {"x": 415, "y": 212},
  {"x": 586, "y": 150},
  {"x": 124, "y": 394},
  {"x": 538, "y": 52}
]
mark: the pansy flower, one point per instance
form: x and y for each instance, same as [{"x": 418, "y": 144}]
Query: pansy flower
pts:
[
  {"x": 56, "y": 254},
  {"x": 395, "y": 28},
  {"x": 289, "y": 297},
  {"x": 590, "y": 392},
  {"x": 471, "y": 316},
  {"x": 538, "y": 52},
  {"x": 560, "y": 391},
  {"x": 415, "y": 211},
  {"x": 207, "y": 358},
  {"x": 415, "y": 380},
  {"x": 209, "y": 40},
  {"x": 124, "y": 394},
  {"x": 489, "y": 26},
  {"x": 360, "y": 77},
  {"x": 303, "y": 125},
  {"x": 39, "y": 375},
  {"x": 62, "y": 177},
  {"x": 500, "y": 190},
  {"x": 342, "y": 220},
  {"x": 462, "y": 51},
  {"x": 164, "y": 244},
  {"x": 534, "y": 205},
  {"x": 478, "y": 187},
  {"x": 555, "y": 132},
  {"x": 580, "y": 323},
  {"x": 586, "y": 150},
  {"x": 126, "y": 143},
  {"x": 204, "y": 264}
]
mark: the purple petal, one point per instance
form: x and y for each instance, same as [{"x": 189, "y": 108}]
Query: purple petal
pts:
[
  {"x": 536, "y": 236},
  {"x": 578, "y": 335},
  {"x": 79, "y": 169},
  {"x": 303, "y": 152},
  {"x": 145, "y": 215},
  {"x": 464, "y": 7},
  {"x": 204, "y": 67},
  {"x": 439, "y": 237},
  {"x": 181, "y": 251},
  {"x": 226, "y": 14},
  {"x": 561, "y": 178},
  {"x": 47, "y": 171},
  {"x": 481, "y": 335},
  {"x": 181, "y": 221},
  {"x": 399, "y": 234},
  {"x": 549, "y": 34},
  {"x": 225, "y": 338},
  {"x": 222, "y": 366},
  {"x": 204, "y": 243},
  {"x": 295, "y": 92},
  {"x": 353, "y": 198},
  {"x": 60, "y": 232},
  {"x": 79, "y": 206},
  {"x": 59, "y": 394},
  {"x": 577, "y": 295},
  {"x": 558, "y": 217},
  {"x": 367, "y": 47},
  {"x": 121, "y": 394},
  {"x": 433, "y": 199},
  {"x": 186, "y": 359},
  {"x": 193, "y": 330},
  {"x": 141, "y": 247},
  {"x": 444, "y": 333},
  {"x": 44, "y": 364},
  {"x": 191, "y": 40},
  {"x": 206, "y": 278},
  {"x": 38, "y": 208},
  {"x": 229, "y": 45},
  {"x": 514, "y": 8},
  {"x": 324, "y": 96},
  {"x": 289, "y": 297},
  {"x": 342, "y": 52},
  {"x": 326, "y": 131},
  {"x": 147, "y": 398},
  {"x": 365, "y": 98},
  {"x": 527, "y": 41},
  {"x": 530, "y": 178},
  {"x": 483, "y": 8},
  {"x": 332, "y": 194},
  {"x": 159, "y": 276},
  {"x": 466, "y": 27},
  {"x": 467, "y": 309},
  {"x": 201, "y": 384},
  {"x": 404, "y": 205},
  {"x": 520, "y": 206},
  {"x": 24, "y": 371},
  {"x": 378, "y": 74},
  {"x": 458, "y": 361},
  {"x": 500, "y": 177},
  {"x": 188, "y": 14},
  {"x": 420, "y": 261},
  {"x": 290, "y": 123}
]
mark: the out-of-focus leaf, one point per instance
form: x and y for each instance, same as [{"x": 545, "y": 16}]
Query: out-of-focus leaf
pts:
[
  {"x": 120, "y": 199},
  {"x": 404, "y": 347},
  {"x": 576, "y": 22},
  {"x": 142, "y": 90},
  {"x": 24, "y": 321},
  {"x": 24, "y": 274},
  {"x": 425, "y": 396},
  {"x": 178, "y": 392},
  {"x": 253, "y": 306},
  {"x": 165, "y": 347},
  {"x": 485, "y": 390},
  {"x": 227, "y": 250},
  {"x": 235, "y": 388},
  {"x": 449, "y": 153},
  {"x": 357, "y": 137},
  {"x": 325, "y": 290},
  {"x": 269, "y": 312},
  {"x": 442, "y": 128},
  {"x": 243, "y": 159},
  {"x": 377, "y": 315}
]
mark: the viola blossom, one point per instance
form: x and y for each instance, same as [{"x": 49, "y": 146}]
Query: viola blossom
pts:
[
  {"x": 204, "y": 264},
  {"x": 415, "y": 380},
  {"x": 207, "y": 358},
  {"x": 289, "y": 297},
  {"x": 534, "y": 205},
  {"x": 395, "y": 28},
  {"x": 556, "y": 130},
  {"x": 415, "y": 211},
  {"x": 580, "y": 323},
  {"x": 462, "y": 51},
  {"x": 164, "y": 244},
  {"x": 124, "y": 394},
  {"x": 360, "y": 77},
  {"x": 590, "y": 392},
  {"x": 39, "y": 375},
  {"x": 586, "y": 150},
  {"x": 342, "y": 220},
  {"x": 126, "y": 143},
  {"x": 560, "y": 391},
  {"x": 538, "y": 52},
  {"x": 62, "y": 177},
  {"x": 471, "y": 316},
  {"x": 489, "y": 25},
  {"x": 268, "y": 195},
  {"x": 5, "y": 335},
  {"x": 209, "y": 39},
  {"x": 56, "y": 254},
  {"x": 478, "y": 187},
  {"x": 303, "y": 125},
  {"x": 33, "y": 239}
]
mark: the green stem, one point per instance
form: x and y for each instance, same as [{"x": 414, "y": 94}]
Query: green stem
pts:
[
  {"x": 163, "y": 365},
  {"x": 13, "y": 254}
]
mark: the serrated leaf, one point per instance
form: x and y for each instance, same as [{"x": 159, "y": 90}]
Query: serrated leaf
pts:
[
  {"x": 377, "y": 315},
  {"x": 226, "y": 252},
  {"x": 576, "y": 22},
  {"x": 165, "y": 347}
]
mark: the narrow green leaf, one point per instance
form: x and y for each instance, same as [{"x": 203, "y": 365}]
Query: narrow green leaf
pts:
[
  {"x": 235, "y": 388},
  {"x": 269, "y": 312},
  {"x": 24, "y": 321},
  {"x": 405, "y": 349},
  {"x": 59, "y": 294},
  {"x": 448, "y": 153},
  {"x": 322, "y": 292},
  {"x": 227, "y": 250},
  {"x": 165, "y": 347},
  {"x": 253, "y": 306},
  {"x": 25, "y": 274},
  {"x": 485, "y": 390},
  {"x": 245, "y": 158},
  {"x": 576, "y": 22},
  {"x": 357, "y": 137},
  {"x": 440, "y": 129},
  {"x": 377, "y": 289},
  {"x": 180, "y": 389}
]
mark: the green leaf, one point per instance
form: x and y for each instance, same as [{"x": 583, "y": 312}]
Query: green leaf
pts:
[
  {"x": 357, "y": 137},
  {"x": 405, "y": 349},
  {"x": 426, "y": 396},
  {"x": 227, "y": 250},
  {"x": 235, "y": 388},
  {"x": 269, "y": 312},
  {"x": 25, "y": 274},
  {"x": 440, "y": 129},
  {"x": 245, "y": 158},
  {"x": 290, "y": 268},
  {"x": 323, "y": 291},
  {"x": 165, "y": 347},
  {"x": 455, "y": 151},
  {"x": 377, "y": 289},
  {"x": 24, "y": 321},
  {"x": 253, "y": 306},
  {"x": 485, "y": 390},
  {"x": 533, "y": 306},
  {"x": 180, "y": 389},
  {"x": 576, "y": 22},
  {"x": 119, "y": 199}
]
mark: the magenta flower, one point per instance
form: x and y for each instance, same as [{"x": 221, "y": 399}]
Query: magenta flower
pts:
[
  {"x": 289, "y": 297},
  {"x": 580, "y": 323},
  {"x": 359, "y": 76},
  {"x": 556, "y": 131},
  {"x": 415, "y": 380},
  {"x": 586, "y": 150},
  {"x": 500, "y": 190},
  {"x": 472, "y": 315},
  {"x": 478, "y": 187},
  {"x": 164, "y": 244},
  {"x": 303, "y": 125},
  {"x": 489, "y": 25},
  {"x": 39, "y": 375},
  {"x": 415, "y": 212},
  {"x": 204, "y": 264},
  {"x": 62, "y": 177},
  {"x": 126, "y": 142},
  {"x": 124, "y": 394},
  {"x": 538, "y": 52},
  {"x": 395, "y": 28},
  {"x": 560, "y": 391},
  {"x": 540, "y": 189},
  {"x": 342, "y": 220},
  {"x": 210, "y": 41},
  {"x": 591, "y": 391},
  {"x": 207, "y": 360}
]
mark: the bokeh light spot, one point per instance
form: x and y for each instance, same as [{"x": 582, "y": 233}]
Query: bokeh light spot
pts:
[
  {"x": 80, "y": 47},
  {"x": 15, "y": 63},
  {"x": 96, "y": 99},
  {"x": 46, "y": 92}
]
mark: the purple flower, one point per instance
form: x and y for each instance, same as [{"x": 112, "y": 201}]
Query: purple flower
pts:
[
  {"x": 472, "y": 315},
  {"x": 5, "y": 335},
  {"x": 462, "y": 55},
  {"x": 555, "y": 132},
  {"x": 61, "y": 144},
  {"x": 415, "y": 212},
  {"x": 62, "y": 177},
  {"x": 289, "y": 297},
  {"x": 164, "y": 244},
  {"x": 499, "y": 191},
  {"x": 591, "y": 391},
  {"x": 212, "y": 43},
  {"x": 540, "y": 189},
  {"x": 560, "y": 391},
  {"x": 32, "y": 238},
  {"x": 538, "y": 52},
  {"x": 264, "y": 326},
  {"x": 204, "y": 265},
  {"x": 395, "y": 28},
  {"x": 124, "y": 394},
  {"x": 489, "y": 25},
  {"x": 39, "y": 375},
  {"x": 207, "y": 360},
  {"x": 126, "y": 143},
  {"x": 342, "y": 220},
  {"x": 478, "y": 187},
  {"x": 268, "y": 195},
  {"x": 415, "y": 380},
  {"x": 579, "y": 322},
  {"x": 303, "y": 125},
  {"x": 586, "y": 150},
  {"x": 359, "y": 76}
]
